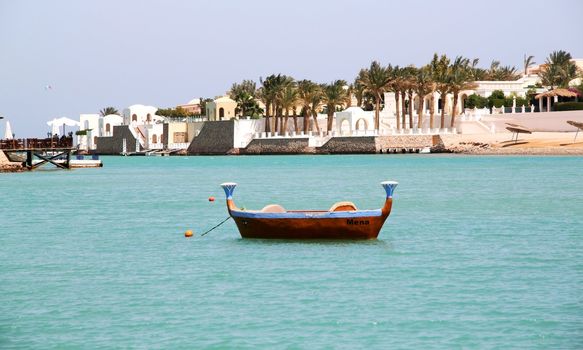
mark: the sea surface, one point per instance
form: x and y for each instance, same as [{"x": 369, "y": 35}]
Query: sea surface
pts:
[{"x": 478, "y": 253}]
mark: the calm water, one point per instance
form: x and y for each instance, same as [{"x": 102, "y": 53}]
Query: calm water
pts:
[{"x": 479, "y": 252}]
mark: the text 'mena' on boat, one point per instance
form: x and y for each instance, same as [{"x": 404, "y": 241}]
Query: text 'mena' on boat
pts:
[{"x": 342, "y": 221}]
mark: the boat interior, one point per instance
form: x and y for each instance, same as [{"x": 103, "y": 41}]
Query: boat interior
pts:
[{"x": 276, "y": 208}]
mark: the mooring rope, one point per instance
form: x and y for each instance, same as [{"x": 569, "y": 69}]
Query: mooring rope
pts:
[{"x": 222, "y": 222}]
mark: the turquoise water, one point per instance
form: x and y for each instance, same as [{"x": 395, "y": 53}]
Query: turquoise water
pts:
[{"x": 479, "y": 252}]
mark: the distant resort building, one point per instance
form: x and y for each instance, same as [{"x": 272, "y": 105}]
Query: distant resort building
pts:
[
  {"x": 222, "y": 108},
  {"x": 193, "y": 107},
  {"x": 224, "y": 130}
]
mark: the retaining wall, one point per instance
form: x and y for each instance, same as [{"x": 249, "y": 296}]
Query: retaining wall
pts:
[
  {"x": 114, "y": 144},
  {"x": 215, "y": 137},
  {"x": 409, "y": 141},
  {"x": 278, "y": 146},
  {"x": 346, "y": 145}
]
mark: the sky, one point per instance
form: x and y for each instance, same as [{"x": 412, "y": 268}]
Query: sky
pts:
[{"x": 95, "y": 54}]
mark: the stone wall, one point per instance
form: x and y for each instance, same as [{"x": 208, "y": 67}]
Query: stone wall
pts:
[
  {"x": 7, "y": 166},
  {"x": 215, "y": 137},
  {"x": 278, "y": 146},
  {"x": 114, "y": 144},
  {"x": 384, "y": 143},
  {"x": 345, "y": 145}
]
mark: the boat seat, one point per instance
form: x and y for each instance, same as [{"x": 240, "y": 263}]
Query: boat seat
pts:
[
  {"x": 273, "y": 208},
  {"x": 343, "y": 206}
]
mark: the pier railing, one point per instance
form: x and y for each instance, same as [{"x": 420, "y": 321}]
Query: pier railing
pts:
[{"x": 30, "y": 143}]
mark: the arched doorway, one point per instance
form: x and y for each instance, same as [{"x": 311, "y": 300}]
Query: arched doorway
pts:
[
  {"x": 154, "y": 139},
  {"x": 463, "y": 99},
  {"x": 361, "y": 124},
  {"x": 344, "y": 127},
  {"x": 221, "y": 113},
  {"x": 107, "y": 128},
  {"x": 148, "y": 118},
  {"x": 134, "y": 118}
]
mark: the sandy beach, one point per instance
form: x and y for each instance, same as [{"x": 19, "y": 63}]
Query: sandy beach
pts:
[{"x": 537, "y": 143}]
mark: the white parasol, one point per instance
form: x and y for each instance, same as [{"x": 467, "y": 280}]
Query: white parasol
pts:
[
  {"x": 8, "y": 132},
  {"x": 55, "y": 123}
]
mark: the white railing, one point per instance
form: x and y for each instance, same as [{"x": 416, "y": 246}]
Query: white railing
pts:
[{"x": 178, "y": 145}]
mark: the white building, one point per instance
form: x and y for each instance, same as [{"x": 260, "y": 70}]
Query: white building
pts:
[
  {"x": 141, "y": 114},
  {"x": 94, "y": 126}
]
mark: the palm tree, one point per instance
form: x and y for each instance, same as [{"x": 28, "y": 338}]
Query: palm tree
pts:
[
  {"x": 409, "y": 82},
  {"x": 310, "y": 96},
  {"x": 334, "y": 95},
  {"x": 440, "y": 69},
  {"x": 560, "y": 70},
  {"x": 528, "y": 62},
  {"x": 244, "y": 94},
  {"x": 281, "y": 83},
  {"x": 271, "y": 92},
  {"x": 288, "y": 100},
  {"x": 395, "y": 87},
  {"x": 498, "y": 72},
  {"x": 359, "y": 88},
  {"x": 424, "y": 85},
  {"x": 376, "y": 80},
  {"x": 267, "y": 95},
  {"x": 108, "y": 111},
  {"x": 477, "y": 73},
  {"x": 459, "y": 79}
]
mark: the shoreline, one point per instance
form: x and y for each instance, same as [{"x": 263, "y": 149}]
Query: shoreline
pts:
[{"x": 500, "y": 144}]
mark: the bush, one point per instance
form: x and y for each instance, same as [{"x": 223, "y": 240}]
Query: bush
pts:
[
  {"x": 568, "y": 106},
  {"x": 521, "y": 101},
  {"x": 496, "y": 103},
  {"x": 497, "y": 95},
  {"x": 476, "y": 101},
  {"x": 497, "y": 99}
]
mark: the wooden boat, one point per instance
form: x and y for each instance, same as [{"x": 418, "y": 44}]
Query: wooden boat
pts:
[{"x": 342, "y": 221}]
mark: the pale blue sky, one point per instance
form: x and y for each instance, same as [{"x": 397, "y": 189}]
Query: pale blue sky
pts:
[{"x": 117, "y": 53}]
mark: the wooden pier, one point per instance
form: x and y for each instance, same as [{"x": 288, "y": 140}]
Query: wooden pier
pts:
[
  {"x": 33, "y": 153},
  {"x": 36, "y": 157}
]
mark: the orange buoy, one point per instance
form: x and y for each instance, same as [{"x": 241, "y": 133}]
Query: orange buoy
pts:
[
  {"x": 211, "y": 199},
  {"x": 188, "y": 233}
]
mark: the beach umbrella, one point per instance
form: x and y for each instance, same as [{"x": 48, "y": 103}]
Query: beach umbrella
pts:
[
  {"x": 8, "y": 132},
  {"x": 556, "y": 92},
  {"x": 54, "y": 127},
  {"x": 55, "y": 123}
]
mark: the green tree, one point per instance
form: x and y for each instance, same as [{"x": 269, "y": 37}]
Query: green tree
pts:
[
  {"x": 409, "y": 81},
  {"x": 244, "y": 94},
  {"x": 460, "y": 78},
  {"x": 310, "y": 96},
  {"x": 396, "y": 85},
  {"x": 476, "y": 101},
  {"x": 441, "y": 76},
  {"x": 270, "y": 94},
  {"x": 559, "y": 71},
  {"x": 108, "y": 111},
  {"x": 424, "y": 85},
  {"x": 498, "y": 72},
  {"x": 289, "y": 98},
  {"x": 376, "y": 80},
  {"x": 358, "y": 88},
  {"x": 528, "y": 62},
  {"x": 334, "y": 95},
  {"x": 496, "y": 99}
]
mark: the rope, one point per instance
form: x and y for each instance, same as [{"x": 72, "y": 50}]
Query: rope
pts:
[{"x": 222, "y": 222}]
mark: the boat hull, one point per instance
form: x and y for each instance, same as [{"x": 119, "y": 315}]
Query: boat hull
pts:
[
  {"x": 360, "y": 228},
  {"x": 341, "y": 222}
]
